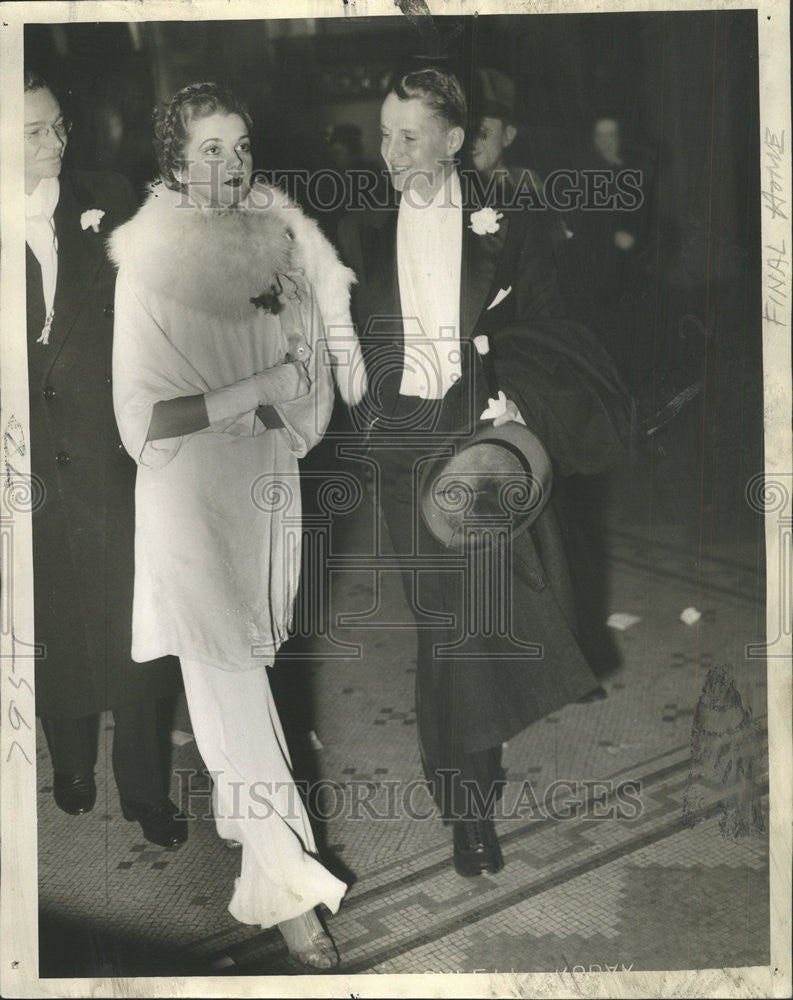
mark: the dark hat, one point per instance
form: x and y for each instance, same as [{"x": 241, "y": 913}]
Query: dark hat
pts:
[
  {"x": 499, "y": 479},
  {"x": 494, "y": 96}
]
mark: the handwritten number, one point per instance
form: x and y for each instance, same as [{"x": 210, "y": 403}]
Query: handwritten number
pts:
[
  {"x": 16, "y": 681},
  {"x": 14, "y": 444},
  {"x": 17, "y": 746},
  {"x": 19, "y": 718}
]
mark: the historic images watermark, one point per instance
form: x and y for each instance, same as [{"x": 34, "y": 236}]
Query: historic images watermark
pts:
[
  {"x": 771, "y": 496},
  {"x": 21, "y": 494},
  {"x": 488, "y": 512},
  {"x": 483, "y": 569},
  {"x": 396, "y": 800},
  {"x": 565, "y": 189}
]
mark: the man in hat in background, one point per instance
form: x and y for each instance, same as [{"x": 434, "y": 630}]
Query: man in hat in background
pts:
[
  {"x": 83, "y": 524},
  {"x": 437, "y": 272},
  {"x": 494, "y": 128}
]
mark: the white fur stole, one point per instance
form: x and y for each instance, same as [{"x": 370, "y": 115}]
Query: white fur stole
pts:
[{"x": 217, "y": 260}]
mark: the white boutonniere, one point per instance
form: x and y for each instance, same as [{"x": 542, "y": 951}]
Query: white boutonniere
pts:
[
  {"x": 502, "y": 410},
  {"x": 485, "y": 221},
  {"x": 92, "y": 218}
]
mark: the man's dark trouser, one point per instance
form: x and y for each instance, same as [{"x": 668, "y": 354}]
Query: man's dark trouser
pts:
[
  {"x": 463, "y": 781},
  {"x": 137, "y": 752}
]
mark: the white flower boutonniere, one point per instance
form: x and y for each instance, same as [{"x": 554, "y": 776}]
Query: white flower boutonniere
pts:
[
  {"x": 92, "y": 218},
  {"x": 485, "y": 221}
]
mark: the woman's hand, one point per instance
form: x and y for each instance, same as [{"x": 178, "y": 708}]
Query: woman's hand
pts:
[
  {"x": 283, "y": 383},
  {"x": 220, "y": 408}
]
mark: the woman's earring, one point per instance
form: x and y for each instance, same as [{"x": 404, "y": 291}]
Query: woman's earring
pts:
[{"x": 179, "y": 176}]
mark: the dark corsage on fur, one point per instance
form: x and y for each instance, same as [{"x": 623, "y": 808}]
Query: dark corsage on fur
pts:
[{"x": 270, "y": 301}]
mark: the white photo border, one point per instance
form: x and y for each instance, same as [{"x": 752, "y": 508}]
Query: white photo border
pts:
[{"x": 19, "y": 905}]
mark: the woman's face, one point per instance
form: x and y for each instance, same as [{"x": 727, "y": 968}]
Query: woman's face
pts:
[{"x": 216, "y": 160}]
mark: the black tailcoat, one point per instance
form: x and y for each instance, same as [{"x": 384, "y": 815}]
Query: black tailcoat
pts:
[
  {"x": 568, "y": 393},
  {"x": 83, "y": 530}
]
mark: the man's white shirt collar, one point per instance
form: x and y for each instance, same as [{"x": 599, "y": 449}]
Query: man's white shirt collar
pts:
[
  {"x": 448, "y": 195},
  {"x": 44, "y": 198}
]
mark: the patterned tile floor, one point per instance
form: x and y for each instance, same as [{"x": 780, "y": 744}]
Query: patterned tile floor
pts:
[{"x": 603, "y": 870}]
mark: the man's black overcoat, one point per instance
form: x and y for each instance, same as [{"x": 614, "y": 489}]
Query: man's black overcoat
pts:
[
  {"x": 569, "y": 394},
  {"x": 84, "y": 516}
]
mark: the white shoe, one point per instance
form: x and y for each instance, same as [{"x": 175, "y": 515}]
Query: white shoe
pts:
[{"x": 308, "y": 942}]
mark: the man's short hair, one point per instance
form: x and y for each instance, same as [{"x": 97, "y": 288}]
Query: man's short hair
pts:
[
  {"x": 439, "y": 89},
  {"x": 34, "y": 81}
]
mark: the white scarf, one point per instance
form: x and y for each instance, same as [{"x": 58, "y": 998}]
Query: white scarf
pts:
[{"x": 42, "y": 239}]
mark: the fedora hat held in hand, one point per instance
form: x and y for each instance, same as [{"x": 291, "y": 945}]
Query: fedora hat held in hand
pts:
[{"x": 499, "y": 480}]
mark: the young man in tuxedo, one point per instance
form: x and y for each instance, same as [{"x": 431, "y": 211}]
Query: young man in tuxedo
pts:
[
  {"x": 83, "y": 523},
  {"x": 436, "y": 270}
]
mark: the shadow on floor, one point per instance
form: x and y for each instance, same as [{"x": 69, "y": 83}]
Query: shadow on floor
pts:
[{"x": 68, "y": 950}]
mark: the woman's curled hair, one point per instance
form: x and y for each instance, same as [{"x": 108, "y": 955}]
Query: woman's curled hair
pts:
[{"x": 172, "y": 123}]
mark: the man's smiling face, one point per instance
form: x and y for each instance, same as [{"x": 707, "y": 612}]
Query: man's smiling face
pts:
[
  {"x": 418, "y": 147},
  {"x": 45, "y": 137}
]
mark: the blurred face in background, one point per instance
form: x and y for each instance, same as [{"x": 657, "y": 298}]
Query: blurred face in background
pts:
[
  {"x": 340, "y": 156},
  {"x": 217, "y": 161},
  {"x": 606, "y": 139},
  {"x": 46, "y": 133},
  {"x": 417, "y": 146},
  {"x": 490, "y": 141}
]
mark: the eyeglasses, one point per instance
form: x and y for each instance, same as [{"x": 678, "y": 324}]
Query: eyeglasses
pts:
[{"x": 61, "y": 128}]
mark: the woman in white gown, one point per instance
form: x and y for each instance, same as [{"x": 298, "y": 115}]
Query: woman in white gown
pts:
[{"x": 229, "y": 303}]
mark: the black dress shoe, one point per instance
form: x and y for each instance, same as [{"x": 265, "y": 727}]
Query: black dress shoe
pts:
[
  {"x": 476, "y": 847},
  {"x": 74, "y": 793},
  {"x": 161, "y": 823}
]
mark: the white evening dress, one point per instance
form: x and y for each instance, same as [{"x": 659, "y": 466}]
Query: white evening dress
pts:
[{"x": 217, "y": 544}]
